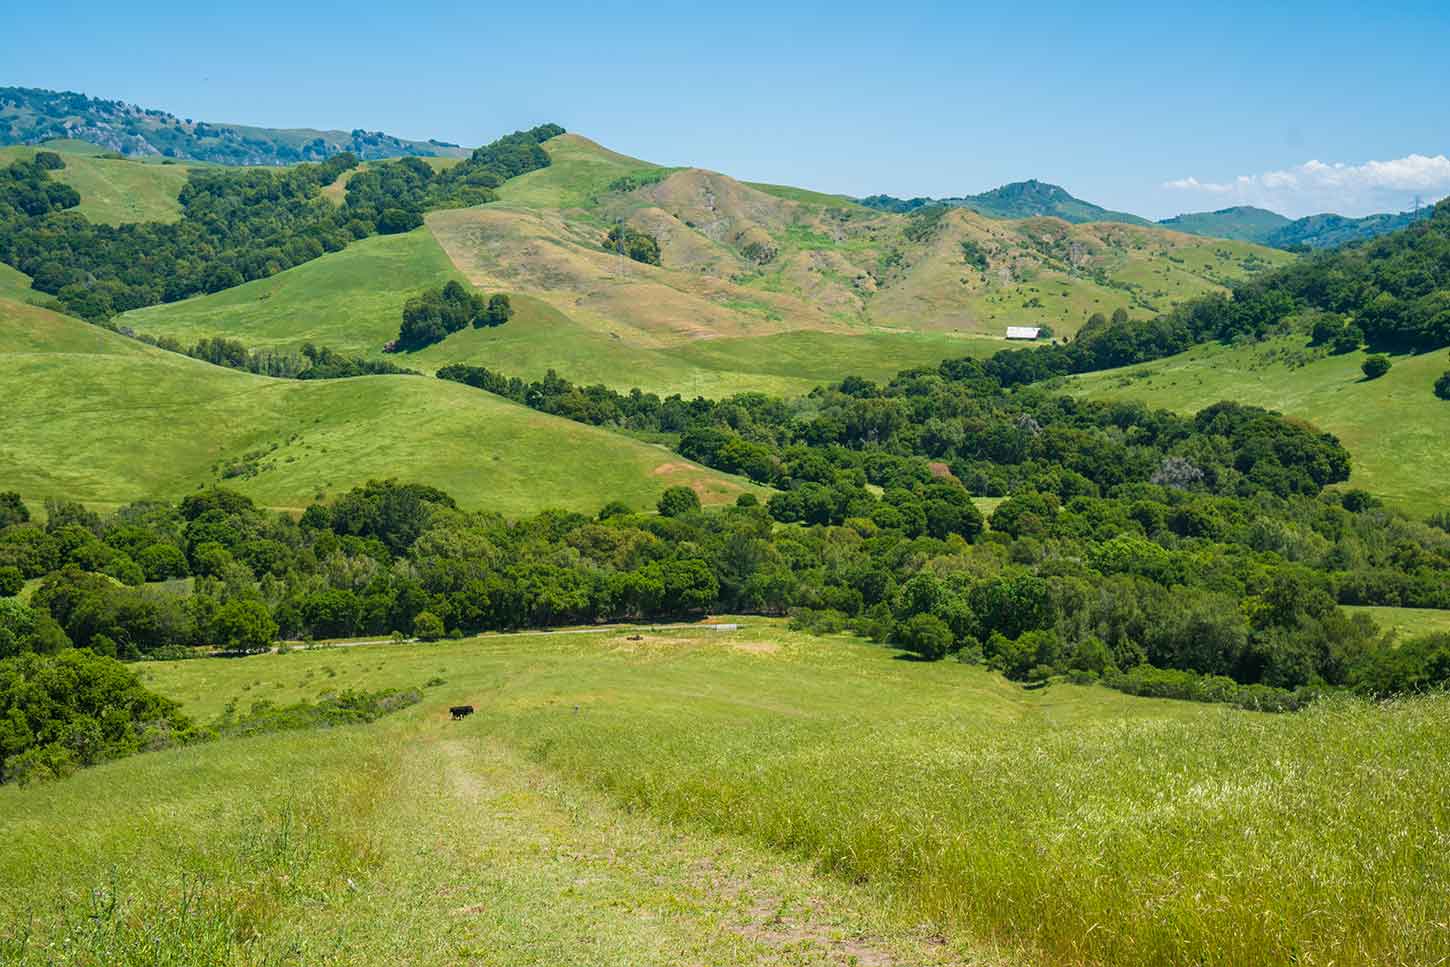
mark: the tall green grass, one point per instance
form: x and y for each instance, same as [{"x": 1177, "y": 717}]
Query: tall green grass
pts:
[
  {"x": 1069, "y": 825},
  {"x": 1224, "y": 838}
]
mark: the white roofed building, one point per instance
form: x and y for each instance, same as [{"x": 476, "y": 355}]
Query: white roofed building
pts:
[{"x": 1023, "y": 332}]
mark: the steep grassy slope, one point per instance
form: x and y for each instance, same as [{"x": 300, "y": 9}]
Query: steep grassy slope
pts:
[
  {"x": 96, "y": 417},
  {"x": 761, "y": 288},
  {"x": 585, "y": 815},
  {"x": 1394, "y": 426},
  {"x": 580, "y": 171},
  {"x": 352, "y": 301},
  {"x": 113, "y": 190}
]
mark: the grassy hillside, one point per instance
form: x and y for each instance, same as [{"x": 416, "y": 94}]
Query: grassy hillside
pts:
[
  {"x": 1394, "y": 427},
  {"x": 579, "y": 172},
  {"x": 710, "y": 797},
  {"x": 114, "y": 190},
  {"x": 352, "y": 301},
  {"x": 99, "y": 418},
  {"x": 761, "y": 288}
]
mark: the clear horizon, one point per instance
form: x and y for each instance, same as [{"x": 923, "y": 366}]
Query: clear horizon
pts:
[{"x": 1305, "y": 109}]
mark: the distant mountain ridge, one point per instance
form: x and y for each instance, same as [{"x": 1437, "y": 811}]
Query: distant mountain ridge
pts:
[
  {"x": 32, "y": 116},
  {"x": 1247, "y": 224},
  {"x": 1244, "y": 223},
  {"x": 1020, "y": 199}
]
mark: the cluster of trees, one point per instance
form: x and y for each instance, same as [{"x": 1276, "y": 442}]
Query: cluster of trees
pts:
[
  {"x": 433, "y": 315},
  {"x": 954, "y": 418},
  {"x": 26, "y": 191},
  {"x": 1247, "y": 587},
  {"x": 309, "y": 362},
  {"x": 236, "y": 225},
  {"x": 640, "y": 246},
  {"x": 396, "y": 194},
  {"x": 75, "y": 708}
]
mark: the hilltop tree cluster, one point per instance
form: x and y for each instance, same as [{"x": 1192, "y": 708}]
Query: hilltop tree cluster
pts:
[
  {"x": 236, "y": 225},
  {"x": 431, "y": 316}
]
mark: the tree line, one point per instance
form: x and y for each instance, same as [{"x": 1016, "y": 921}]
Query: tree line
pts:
[{"x": 1211, "y": 582}]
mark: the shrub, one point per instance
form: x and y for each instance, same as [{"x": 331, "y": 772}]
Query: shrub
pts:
[
  {"x": 11, "y": 581},
  {"x": 925, "y": 635},
  {"x": 428, "y": 626},
  {"x": 1419, "y": 665},
  {"x": 61, "y": 712},
  {"x": 1442, "y": 387},
  {"x": 677, "y": 501},
  {"x": 1375, "y": 366},
  {"x": 245, "y": 626}
]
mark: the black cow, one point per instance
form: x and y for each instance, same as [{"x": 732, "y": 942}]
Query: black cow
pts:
[{"x": 459, "y": 711}]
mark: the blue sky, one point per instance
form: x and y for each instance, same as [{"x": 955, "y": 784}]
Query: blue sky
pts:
[{"x": 1154, "y": 108}]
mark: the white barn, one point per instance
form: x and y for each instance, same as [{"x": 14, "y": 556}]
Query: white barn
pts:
[{"x": 1023, "y": 332}]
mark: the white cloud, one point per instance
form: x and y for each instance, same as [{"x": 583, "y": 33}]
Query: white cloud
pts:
[{"x": 1347, "y": 189}]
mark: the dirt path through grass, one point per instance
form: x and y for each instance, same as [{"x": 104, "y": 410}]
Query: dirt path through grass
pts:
[{"x": 490, "y": 859}]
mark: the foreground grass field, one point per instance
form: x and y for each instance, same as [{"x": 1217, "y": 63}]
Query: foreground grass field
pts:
[
  {"x": 707, "y": 797},
  {"x": 103, "y": 419},
  {"x": 1394, "y": 427}
]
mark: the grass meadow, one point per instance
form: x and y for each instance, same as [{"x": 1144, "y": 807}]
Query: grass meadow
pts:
[
  {"x": 106, "y": 420},
  {"x": 758, "y": 796}
]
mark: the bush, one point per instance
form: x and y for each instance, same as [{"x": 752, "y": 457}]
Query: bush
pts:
[
  {"x": 11, "y": 581},
  {"x": 925, "y": 635},
  {"x": 677, "y": 501},
  {"x": 245, "y": 626},
  {"x": 1419, "y": 665},
  {"x": 428, "y": 626},
  {"x": 60, "y": 713},
  {"x": 1170, "y": 683},
  {"x": 1442, "y": 387},
  {"x": 349, "y": 708},
  {"x": 1375, "y": 367}
]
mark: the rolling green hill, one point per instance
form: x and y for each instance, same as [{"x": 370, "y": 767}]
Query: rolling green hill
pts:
[
  {"x": 114, "y": 190},
  {"x": 1394, "y": 427},
  {"x": 352, "y": 301},
  {"x": 1035, "y": 199},
  {"x": 103, "y": 419},
  {"x": 767, "y": 288},
  {"x": 31, "y": 115}
]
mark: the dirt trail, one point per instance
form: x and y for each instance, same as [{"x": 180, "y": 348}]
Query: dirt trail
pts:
[{"x": 496, "y": 860}]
